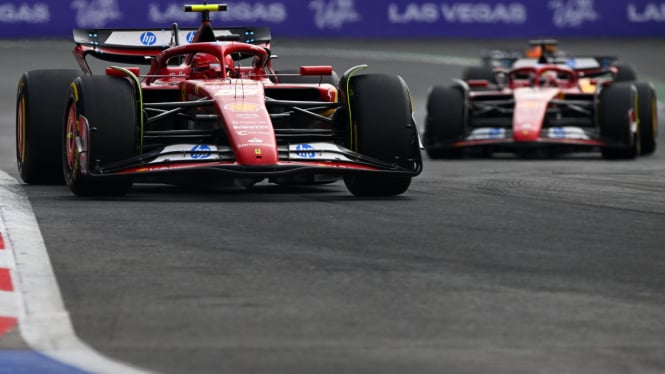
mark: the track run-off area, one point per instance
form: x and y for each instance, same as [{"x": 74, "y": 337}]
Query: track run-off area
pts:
[{"x": 501, "y": 265}]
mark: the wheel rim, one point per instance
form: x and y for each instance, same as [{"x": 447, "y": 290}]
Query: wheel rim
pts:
[
  {"x": 20, "y": 131},
  {"x": 72, "y": 132}
]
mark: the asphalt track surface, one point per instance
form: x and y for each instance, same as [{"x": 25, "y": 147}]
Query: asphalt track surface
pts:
[{"x": 500, "y": 265}]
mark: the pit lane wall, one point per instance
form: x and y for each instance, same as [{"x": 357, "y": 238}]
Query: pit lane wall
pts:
[{"x": 351, "y": 18}]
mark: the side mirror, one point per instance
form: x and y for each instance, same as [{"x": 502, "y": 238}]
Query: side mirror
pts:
[{"x": 316, "y": 70}]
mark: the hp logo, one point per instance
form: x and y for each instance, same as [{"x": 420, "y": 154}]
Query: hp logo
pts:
[
  {"x": 200, "y": 151},
  {"x": 305, "y": 151},
  {"x": 148, "y": 38},
  {"x": 190, "y": 36}
]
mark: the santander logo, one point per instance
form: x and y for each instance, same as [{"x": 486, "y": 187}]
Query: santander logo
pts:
[
  {"x": 573, "y": 13},
  {"x": 95, "y": 13},
  {"x": 333, "y": 14}
]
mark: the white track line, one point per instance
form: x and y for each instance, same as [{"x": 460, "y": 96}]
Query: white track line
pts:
[
  {"x": 43, "y": 320},
  {"x": 8, "y": 304}
]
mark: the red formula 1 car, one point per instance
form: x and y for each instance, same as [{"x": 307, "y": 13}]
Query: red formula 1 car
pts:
[
  {"x": 209, "y": 110},
  {"x": 540, "y": 108}
]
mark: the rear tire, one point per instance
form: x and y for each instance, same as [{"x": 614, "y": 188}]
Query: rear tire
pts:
[
  {"x": 39, "y": 100},
  {"x": 444, "y": 122},
  {"x": 616, "y": 102},
  {"x": 382, "y": 115},
  {"x": 648, "y": 116},
  {"x": 625, "y": 73},
  {"x": 109, "y": 106},
  {"x": 478, "y": 73}
]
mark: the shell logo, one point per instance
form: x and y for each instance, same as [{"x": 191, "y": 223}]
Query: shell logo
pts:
[
  {"x": 233, "y": 91},
  {"x": 242, "y": 107},
  {"x": 530, "y": 104}
]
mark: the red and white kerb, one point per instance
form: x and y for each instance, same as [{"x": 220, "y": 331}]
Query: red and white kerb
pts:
[{"x": 8, "y": 309}]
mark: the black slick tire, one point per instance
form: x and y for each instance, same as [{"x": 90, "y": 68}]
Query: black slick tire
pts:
[
  {"x": 39, "y": 108},
  {"x": 616, "y": 102},
  {"x": 648, "y": 116},
  {"x": 625, "y": 73},
  {"x": 444, "y": 122},
  {"x": 102, "y": 114},
  {"x": 382, "y": 117},
  {"x": 478, "y": 73}
]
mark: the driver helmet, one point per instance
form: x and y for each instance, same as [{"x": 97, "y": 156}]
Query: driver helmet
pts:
[
  {"x": 549, "y": 78},
  {"x": 229, "y": 66},
  {"x": 534, "y": 52},
  {"x": 205, "y": 65},
  {"x": 538, "y": 51}
]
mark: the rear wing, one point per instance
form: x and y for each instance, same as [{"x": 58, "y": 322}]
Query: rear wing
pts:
[
  {"x": 134, "y": 46},
  {"x": 576, "y": 63}
]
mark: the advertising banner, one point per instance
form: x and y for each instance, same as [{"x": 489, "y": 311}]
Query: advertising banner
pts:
[{"x": 351, "y": 18}]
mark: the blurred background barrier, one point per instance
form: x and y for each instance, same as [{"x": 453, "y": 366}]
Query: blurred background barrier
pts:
[{"x": 351, "y": 18}]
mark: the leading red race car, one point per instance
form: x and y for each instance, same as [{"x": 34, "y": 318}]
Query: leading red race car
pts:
[
  {"x": 538, "y": 107},
  {"x": 210, "y": 111}
]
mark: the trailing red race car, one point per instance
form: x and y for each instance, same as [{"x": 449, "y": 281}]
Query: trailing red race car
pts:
[
  {"x": 210, "y": 111},
  {"x": 538, "y": 107}
]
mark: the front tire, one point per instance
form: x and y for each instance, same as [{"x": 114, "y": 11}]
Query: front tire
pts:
[
  {"x": 478, "y": 73},
  {"x": 39, "y": 100},
  {"x": 444, "y": 122},
  {"x": 648, "y": 116},
  {"x": 382, "y": 117},
  {"x": 617, "y": 102},
  {"x": 101, "y": 118}
]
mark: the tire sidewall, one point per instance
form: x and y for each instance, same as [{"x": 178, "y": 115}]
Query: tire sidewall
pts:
[
  {"x": 444, "y": 121},
  {"x": 616, "y": 102},
  {"x": 648, "y": 117},
  {"x": 381, "y": 127},
  {"x": 107, "y": 118},
  {"x": 39, "y": 104}
]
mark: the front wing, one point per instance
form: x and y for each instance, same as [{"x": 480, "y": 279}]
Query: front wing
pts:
[
  {"x": 570, "y": 138},
  {"x": 302, "y": 158}
]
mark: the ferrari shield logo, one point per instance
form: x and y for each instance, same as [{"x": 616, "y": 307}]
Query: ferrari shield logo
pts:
[{"x": 242, "y": 107}]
